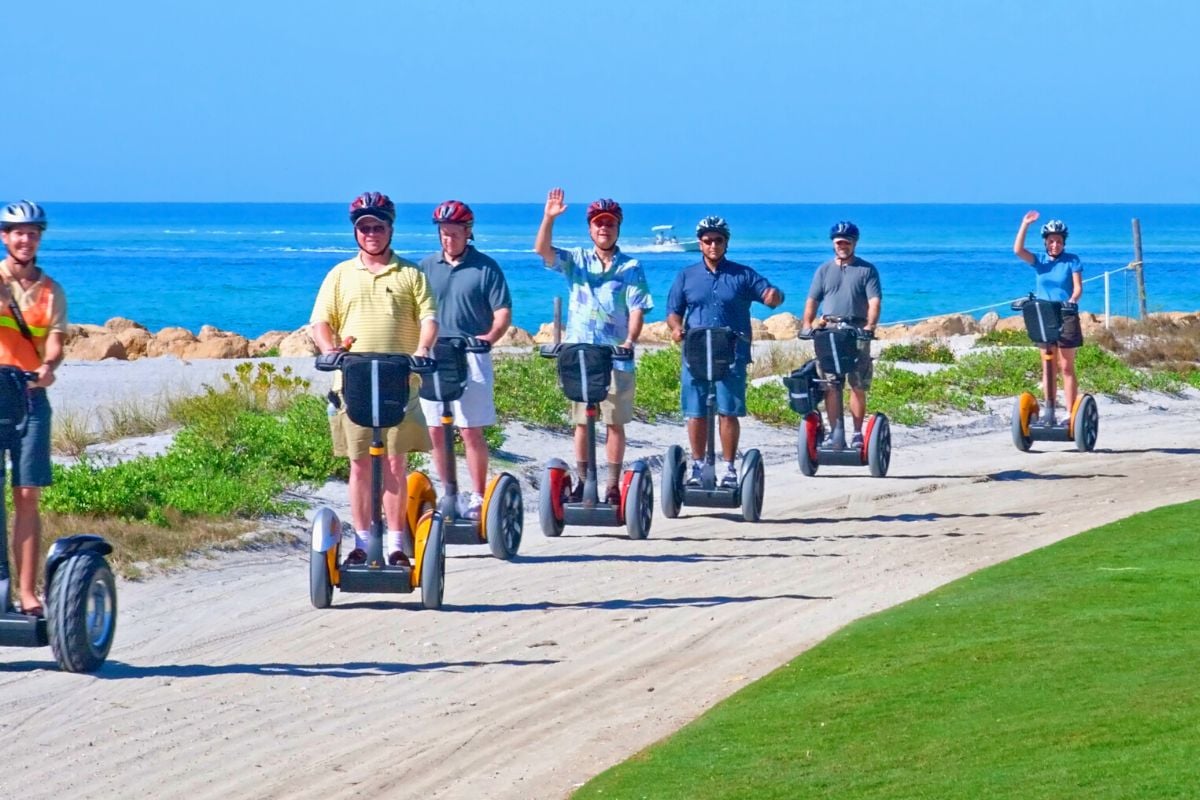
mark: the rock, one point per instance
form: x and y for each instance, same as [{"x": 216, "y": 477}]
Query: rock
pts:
[
  {"x": 297, "y": 343},
  {"x": 96, "y": 347},
  {"x": 1010, "y": 324},
  {"x": 545, "y": 334},
  {"x": 136, "y": 340},
  {"x": 941, "y": 327},
  {"x": 119, "y": 324},
  {"x": 228, "y": 346},
  {"x": 171, "y": 334},
  {"x": 515, "y": 337},
  {"x": 656, "y": 332},
  {"x": 987, "y": 323},
  {"x": 888, "y": 332},
  {"x": 784, "y": 325},
  {"x": 268, "y": 341},
  {"x": 759, "y": 332},
  {"x": 208, "y": 332},
  {"x": 170, "y": 342},
  {"x": 1090, "y": 323}
]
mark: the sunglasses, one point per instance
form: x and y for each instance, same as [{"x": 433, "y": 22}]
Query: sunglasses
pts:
[
  {"x": 367, "y": 230},
  {"x": 712, "y": 240}
]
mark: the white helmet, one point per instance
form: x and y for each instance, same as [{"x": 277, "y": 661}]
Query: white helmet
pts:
[
  {"x": 1055, "y": 226},
  {"x": 22, "y": 213}
]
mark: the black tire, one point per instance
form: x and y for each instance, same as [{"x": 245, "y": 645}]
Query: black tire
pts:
[
  {"x": 639, "y": 505},
  {"x": 433, "y": 565},
  {"x": 552, "y": 525},
  {"x": 753, "y": 486},
  {"x": 81, "y": 606},
  {"x": 505, "y": 520},
  {"x": 879, "y": 446},
  {"x": 807, "y": 439},
  {"x": 320, "y": 588},
  {"x": 1020, "y": 440},
  {"x": 671, "y": 495},
  {"x": 1087, "y": 424}
]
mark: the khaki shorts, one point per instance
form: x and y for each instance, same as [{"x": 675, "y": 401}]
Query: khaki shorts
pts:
[
  {"x": 860, "y": 378},
  {"x": 617, "y": 407},
  {"x": 354, "y": 441}
]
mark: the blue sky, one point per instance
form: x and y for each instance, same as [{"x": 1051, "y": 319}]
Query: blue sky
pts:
[{"x": 674, "y": 101}]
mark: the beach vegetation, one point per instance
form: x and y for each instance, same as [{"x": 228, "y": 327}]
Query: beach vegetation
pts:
[
  {"x": 71, "y": 434},
  {"x": 778, "y": 358},
  {"x": 527, "y": 390},
  {"x": 1067, "y": 661},
  {"x": 922, "y": 351},
  {"x": 1004, "y": 338},
  {"x": 658, "y": 385}
]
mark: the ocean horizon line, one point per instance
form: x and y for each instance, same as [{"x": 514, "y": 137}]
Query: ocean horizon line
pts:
[{"x": 632, "y": 203}]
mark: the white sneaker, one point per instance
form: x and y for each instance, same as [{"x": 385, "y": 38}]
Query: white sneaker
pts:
[
  {"x": 474, "y": 506},
  {"x": 462, "y": 503}
]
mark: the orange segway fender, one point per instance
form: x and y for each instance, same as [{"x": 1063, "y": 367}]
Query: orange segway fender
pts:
[
  {"x": 421, "y": 498},
  {"x": 1074, "y": 410},
  {"x": 1029, "y": 411},
  {"x": 483, "y": 512},
  {"x": 421, "y": 538}
]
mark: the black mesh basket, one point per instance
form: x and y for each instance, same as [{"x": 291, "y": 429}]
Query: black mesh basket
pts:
[
  {"x": 14, "y": 404},
  {"x": 449, "y": 380},
  {"x": 837, "y": 350},
  {"x": 1043, "y": 320},
  {"x": 360, "y": 376},
  {"x": 709, "y": 352},
  {"x": 803, "y": 393},
  {"x": 585, "y": 370}
]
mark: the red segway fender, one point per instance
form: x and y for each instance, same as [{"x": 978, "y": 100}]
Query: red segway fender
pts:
[{"x": 625, "y": 480}]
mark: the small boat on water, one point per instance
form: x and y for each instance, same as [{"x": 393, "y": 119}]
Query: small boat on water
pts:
[{"x": 665, "y": 241}]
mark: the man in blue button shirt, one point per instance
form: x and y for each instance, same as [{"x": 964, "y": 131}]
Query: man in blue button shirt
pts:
[{"x": 717, "y": 292}]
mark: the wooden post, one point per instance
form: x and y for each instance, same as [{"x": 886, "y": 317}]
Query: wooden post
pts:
[
  {"x": 558, "y": 320},
  {"x": 1138, "y": 268}
]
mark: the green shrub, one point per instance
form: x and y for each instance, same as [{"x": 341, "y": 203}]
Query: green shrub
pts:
[
  {"x": 658, "y": 384},
  {"x": 768, "y": 402},
  {"x": 923, "y": 351},
  {"x": 527, "y": 390},
  {"x": 1005, "y": 338}
]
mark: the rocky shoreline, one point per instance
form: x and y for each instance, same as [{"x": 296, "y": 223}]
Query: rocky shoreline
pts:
[{"x": 126, "y": 340}]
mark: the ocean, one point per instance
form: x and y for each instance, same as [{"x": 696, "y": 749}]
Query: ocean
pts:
[{"x": 254, "y": 267}]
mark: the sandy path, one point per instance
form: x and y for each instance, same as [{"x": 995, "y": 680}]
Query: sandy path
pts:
[{"x": 225, "y": 683}]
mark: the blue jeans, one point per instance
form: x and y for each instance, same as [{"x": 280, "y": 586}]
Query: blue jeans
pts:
[{"x": 731, "y": 393}]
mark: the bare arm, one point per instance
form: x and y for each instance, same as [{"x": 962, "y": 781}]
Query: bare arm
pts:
[
  {"x": 429, "y": 329},
  {"x": 1076, "y": 286},
  {"x": 675, "y": 323},
  {"x": 636, "y": 317},
  {"x": 810, "y": 313},
  {"x": 772, "y": 298},
  {"x": 501, "y": 320},
  {"x": 874, "y": 306},
  {"x": 544, "y": 244},
  {"x": 1019, "y": 245},
  {"x": 50, "y": 362},
  {"x": 322, "y": 336}
]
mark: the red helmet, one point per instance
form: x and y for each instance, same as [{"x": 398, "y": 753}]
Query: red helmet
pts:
[
  {"x": 605, "y": 206},
  {"x": 373, "y": 204},
  {"x": 454, "y": 211}
]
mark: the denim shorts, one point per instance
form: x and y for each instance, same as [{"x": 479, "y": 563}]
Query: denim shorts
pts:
[
  {"x": 731, "y": 393},
  {"x": 31, "y": 456}
]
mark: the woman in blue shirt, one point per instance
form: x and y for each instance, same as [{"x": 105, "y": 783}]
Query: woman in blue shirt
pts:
[{"x": 1060, "y": 279}]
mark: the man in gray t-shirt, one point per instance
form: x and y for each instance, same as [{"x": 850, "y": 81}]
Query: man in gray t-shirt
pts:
[
  {"x": 846, "y": 286},
  {"x": 472, "y": 300}
]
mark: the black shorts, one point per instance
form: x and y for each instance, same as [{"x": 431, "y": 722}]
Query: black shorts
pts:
[{"x": 1071, "y": 334}]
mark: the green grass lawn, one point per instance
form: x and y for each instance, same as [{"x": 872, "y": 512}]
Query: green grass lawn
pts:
[{"x": 1067, "y": 673}]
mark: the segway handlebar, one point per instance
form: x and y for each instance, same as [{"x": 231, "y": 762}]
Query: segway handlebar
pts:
[
  {"x": 333, "y": 362},
  {"x": 469, "y": 344},
  {"x": 618, "y": 353},
  {"x": 838, "y": 322}
]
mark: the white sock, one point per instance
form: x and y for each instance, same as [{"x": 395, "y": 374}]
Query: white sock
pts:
[
  {"x": 395, "y": 541},
  {"x": 360, "y": 540},
  {"x": 697, "y": 463}
]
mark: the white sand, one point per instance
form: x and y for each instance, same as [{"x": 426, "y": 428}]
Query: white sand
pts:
[{"x": 225, "y": 683}]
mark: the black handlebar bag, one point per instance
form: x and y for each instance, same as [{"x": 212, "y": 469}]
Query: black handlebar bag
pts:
[
  {"x": 837, "y": 350},
  {"x": 14, "y": 407},
  {"x": 1043, "y": 320},
  {"x": 709, "y": 352},
  {"x": 802, "y": 388},
  {"x": 376, "y": 391},
  {"x": 585, "y": 371},
  {"x": 449, "y": 380}
]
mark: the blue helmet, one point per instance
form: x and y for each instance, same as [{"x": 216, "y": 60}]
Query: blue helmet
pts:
[
  {"x": 1055, "y": 226},
  {"x": 844, "y": 230}
]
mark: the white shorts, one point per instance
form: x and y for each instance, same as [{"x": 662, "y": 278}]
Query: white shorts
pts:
[{"x": 476, "y": 407}]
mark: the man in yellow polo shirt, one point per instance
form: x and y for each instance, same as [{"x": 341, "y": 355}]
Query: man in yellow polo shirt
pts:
[{"x": 376, "y": 302}]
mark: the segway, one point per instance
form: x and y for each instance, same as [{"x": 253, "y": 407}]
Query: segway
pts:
[
  {"x": 709, "y": 352},
  {"x": 584, "y": 373},
  {"x": 80, "y": 615},
  {"x": 502, "y": 518},
  {"x": 1043, "y": 323},
  {"x": 836, "y": 347},
  {"x": 375, "y": 389}
]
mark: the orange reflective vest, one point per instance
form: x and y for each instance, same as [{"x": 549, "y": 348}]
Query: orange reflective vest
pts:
[{"x": 15, "y": 349}]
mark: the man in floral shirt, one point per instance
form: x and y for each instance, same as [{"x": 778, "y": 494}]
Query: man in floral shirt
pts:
[{"x": 609, "y": 299}]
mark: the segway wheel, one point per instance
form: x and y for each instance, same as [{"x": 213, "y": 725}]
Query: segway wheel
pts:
[
  {"x": 1087, "y": 424},
  {"x": 639, "y": 505},
  {"x": 752, "y": 482},
  {"x": 320, "y": 588},
  {"x": 421, "y": 498},
  {"x": 504, "y": 517},
  {"x": 807, "y": 439},
  {"x": 81, "y": 612},
  {"x": 674, "y": 464},
  {"x": 553, "y": 492},
  {"x": 879, "y": 445},
  {"x": 1025, "y": 409},
  {"x": 433, "y": 565}
]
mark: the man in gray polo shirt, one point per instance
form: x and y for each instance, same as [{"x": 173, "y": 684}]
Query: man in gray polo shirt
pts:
[
  {"x": 472, "y": 300},
  {"x": 846, "y": 286}
]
